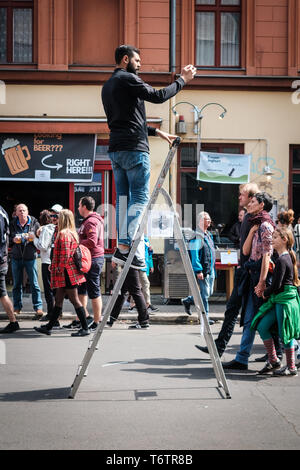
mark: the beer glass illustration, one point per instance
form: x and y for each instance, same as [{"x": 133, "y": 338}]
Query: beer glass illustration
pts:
[{"x": 15, "y": 156}]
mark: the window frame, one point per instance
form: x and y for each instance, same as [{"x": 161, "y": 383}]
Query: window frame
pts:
[
  {"x": 206, "y": 147},
  {"x": 10, "y": 5},
  {"x": 218, "y": 9}
]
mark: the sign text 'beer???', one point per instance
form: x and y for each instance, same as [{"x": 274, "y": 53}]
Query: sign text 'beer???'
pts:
[{"x": 47, "y": 157}]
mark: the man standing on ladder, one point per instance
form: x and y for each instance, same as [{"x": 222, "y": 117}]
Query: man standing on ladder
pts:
[{"x": 123, "y": 97}]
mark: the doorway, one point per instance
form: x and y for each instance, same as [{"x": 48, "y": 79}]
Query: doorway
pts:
[{"x": 36, "y": 195}]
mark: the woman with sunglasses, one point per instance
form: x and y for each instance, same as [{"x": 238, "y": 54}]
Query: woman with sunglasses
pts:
[
  {"x": 43, "y": 242},
  {"x": 258, "y": 246}
]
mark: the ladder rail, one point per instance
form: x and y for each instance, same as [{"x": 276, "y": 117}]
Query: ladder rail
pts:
[
  {"x": 122, "y": 276},
  {"x": 204, "y": 324}
]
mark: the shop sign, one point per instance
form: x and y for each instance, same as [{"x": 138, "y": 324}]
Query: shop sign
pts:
[
  {"x": 224, "y": 168},
  {"x": 47, "y": 157}
]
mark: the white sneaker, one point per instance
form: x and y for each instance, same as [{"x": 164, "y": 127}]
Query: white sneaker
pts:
[{"x": 285, "y": 372}]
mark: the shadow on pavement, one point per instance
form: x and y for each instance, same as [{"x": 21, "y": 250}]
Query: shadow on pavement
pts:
[{"x": 36, "y": 395}]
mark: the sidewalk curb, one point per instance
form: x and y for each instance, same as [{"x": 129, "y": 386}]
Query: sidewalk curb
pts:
[{"x": 172, "y": 318}]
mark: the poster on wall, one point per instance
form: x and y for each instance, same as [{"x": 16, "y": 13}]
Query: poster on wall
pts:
[
  {"x": 47, "y": 157},
  {"x": 224, "y": 168},
  {"x": 93, "y": 189}
]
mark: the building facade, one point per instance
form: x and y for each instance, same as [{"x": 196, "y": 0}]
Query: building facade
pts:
[{"x": 55, "y": 56}]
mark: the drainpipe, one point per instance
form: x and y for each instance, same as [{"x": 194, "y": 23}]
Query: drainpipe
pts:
[
  {"x": 173, "y": 36},
  {"x": 172, "y": 172}
]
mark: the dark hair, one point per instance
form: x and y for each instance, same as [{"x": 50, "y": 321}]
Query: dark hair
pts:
[
  {"x": 123, "y": 50},
  {"x": 287, "y": 234},
  {"x": 266, "y": 199},
  {"x": 88, "y": 202},
  {"x": 45, "y": 217},
  {"x": 286, "y": 217}
]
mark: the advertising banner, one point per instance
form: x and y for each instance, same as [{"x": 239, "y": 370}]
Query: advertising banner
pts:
[
  {"x": 47, "y": 157},
  {"x": 224, "y": 168}
]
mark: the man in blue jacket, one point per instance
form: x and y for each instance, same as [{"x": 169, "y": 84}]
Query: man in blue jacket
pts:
[
  {"x": 202, "y": 252},
  {"x": 123, "y": 97}
]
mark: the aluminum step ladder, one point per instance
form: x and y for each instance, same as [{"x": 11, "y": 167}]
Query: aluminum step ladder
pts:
[{"x": 203, "y": 320}]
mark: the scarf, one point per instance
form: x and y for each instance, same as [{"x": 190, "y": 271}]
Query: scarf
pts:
[{"x": 261, "y": 217}]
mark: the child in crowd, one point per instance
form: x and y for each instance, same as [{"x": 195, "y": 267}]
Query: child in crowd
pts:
[{"x": 282, "y": 308}]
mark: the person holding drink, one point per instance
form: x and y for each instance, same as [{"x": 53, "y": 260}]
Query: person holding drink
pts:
[{"x": 23, "y": 228}]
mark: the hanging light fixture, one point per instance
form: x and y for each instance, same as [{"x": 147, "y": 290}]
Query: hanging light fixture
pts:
[
  {"x": 268, "y": 173},
  {"x": 180, "y": 125}
]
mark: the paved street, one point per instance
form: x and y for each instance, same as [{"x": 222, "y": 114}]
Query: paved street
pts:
[{"x": 145, "y": 390}]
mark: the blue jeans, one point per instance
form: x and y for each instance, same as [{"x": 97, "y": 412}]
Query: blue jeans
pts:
[
  {"x": 17, "y": 267},
  {"x": 132, "y": 174},
  {"x": 248, "y": 334},
  {"x": 206, "y": 287}
]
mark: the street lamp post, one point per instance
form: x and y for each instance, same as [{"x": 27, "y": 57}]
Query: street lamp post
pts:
[{"x": 198, "y": 116}]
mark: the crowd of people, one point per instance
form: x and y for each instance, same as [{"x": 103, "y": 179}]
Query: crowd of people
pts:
[
  {"x": 266, "y": 282},
  {"x": 55, "y": 237}
]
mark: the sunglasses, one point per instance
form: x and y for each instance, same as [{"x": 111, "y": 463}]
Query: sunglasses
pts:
[{"x": 55, "y": 216}]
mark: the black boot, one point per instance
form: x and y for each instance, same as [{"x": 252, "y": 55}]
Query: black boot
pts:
[
  {"x": 82, "y": 317},
  {"x": 55, "y": 314}
]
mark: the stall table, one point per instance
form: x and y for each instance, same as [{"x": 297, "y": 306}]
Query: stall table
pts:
[{"x": 229, "y": 269}]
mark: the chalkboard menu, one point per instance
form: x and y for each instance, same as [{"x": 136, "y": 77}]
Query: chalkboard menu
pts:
[{"x": 93, "y": 189}]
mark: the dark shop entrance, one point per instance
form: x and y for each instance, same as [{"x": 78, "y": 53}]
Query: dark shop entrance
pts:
[{"x": 36, "y": 195}]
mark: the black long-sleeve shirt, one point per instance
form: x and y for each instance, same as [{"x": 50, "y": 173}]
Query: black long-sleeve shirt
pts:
[
  {"x": 123, "y": 97},
  {"x": 283, "y": 275},
  {"x": 235, "y": 233},
  {"x": 244, "y": 231}
]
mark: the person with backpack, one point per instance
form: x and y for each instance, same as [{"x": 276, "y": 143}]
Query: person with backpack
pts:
[
  {"x": 5, "y": 300},
  {"x": 65, "y": 276},
  {"x": 91, "y": 235}
]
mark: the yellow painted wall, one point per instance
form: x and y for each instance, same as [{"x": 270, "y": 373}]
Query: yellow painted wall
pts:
[
  {"x": 36, "y": 100},
  {"x": 266, "y": 122},
  {"x": 263, "y": 121}
]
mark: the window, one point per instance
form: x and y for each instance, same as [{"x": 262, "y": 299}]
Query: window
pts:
[
  {"x": 218, "y": 33},
  {"x": 219, "y": 200},
  {"x": 16, "y": 20}
]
